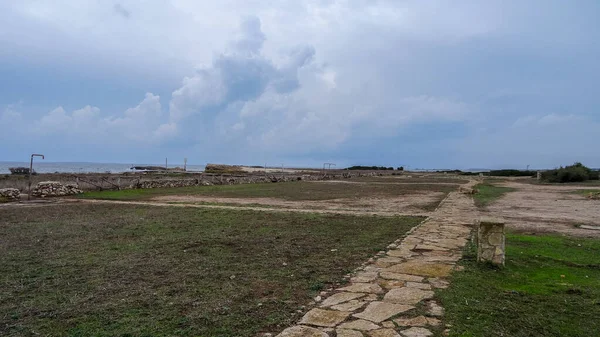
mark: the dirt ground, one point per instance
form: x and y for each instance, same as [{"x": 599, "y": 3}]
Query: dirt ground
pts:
[
  {"x": 414, "y": 204},
  {"x": 533, "y": 208}
]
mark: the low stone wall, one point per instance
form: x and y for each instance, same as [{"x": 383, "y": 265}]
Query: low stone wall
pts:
[
  {"x": 213, "y": 179},
  {"x": 70, "y": 184},
  {"x": 10, "y": 194},
  {"x": 54, "y": 189}
]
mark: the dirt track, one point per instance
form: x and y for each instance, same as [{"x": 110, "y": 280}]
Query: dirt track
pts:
[{"x": 548, "y": 209}]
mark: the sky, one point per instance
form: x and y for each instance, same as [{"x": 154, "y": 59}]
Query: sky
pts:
[{"x": 419, "y": 84}]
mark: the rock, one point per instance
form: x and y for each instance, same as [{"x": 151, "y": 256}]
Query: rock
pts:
[
  {"x": 359, "y": 324},
  {"x": 438, "y": 283},
  {"x": 416, "y": 332},
  {"x": 380, "y": 311},
  {"x": 325, "y": 318},
  {"x": 406, "y": 295},
  {"x": 352, "y": 305},
  {"x": 421, "y": 269},
  {"x": 348, "y": 333},
  {"x": 434, "y": 309},
  {"x": 340, "y": 298},
  {"x": 413, "y": 321},
  {"x": 418, "y": 285},
  {"x": 54, "y": 189},
  {"x": 388, "y": 324},
  {"x": 10, "y": 194},
  {"x": 363, "y": 288},
  {"x": 364, "y": 277},
  {"x": 391, "y": 284},
  {"x": 302, "y": 331},
  {"x": 401, "y": 277},
  {"x": 384, "y": 333}
]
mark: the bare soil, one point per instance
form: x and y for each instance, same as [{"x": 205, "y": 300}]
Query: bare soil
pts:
[
  {"x": 533, "y": 208},
  {"x": 404, "y": 204}
]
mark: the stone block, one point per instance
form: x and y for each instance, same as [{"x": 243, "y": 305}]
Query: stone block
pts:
[{"x": 491, "y": 241}]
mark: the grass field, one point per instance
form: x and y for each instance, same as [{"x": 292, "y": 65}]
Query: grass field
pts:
[
  {"x": 121, "y": 270},
  {"x": 293, "y": 191},
  {"x": 487, "y": 193},
  {"x": 549, "y": 287}
]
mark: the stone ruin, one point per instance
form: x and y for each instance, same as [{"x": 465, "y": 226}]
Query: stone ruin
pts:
[
  {"x": 491, "y": 241},
  {"x": 54, "y": 189},
  {"x": 10, "y": 194}
]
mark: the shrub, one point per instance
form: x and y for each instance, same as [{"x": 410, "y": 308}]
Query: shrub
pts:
[
  {"x": 574, "y": 173},
  {"x": 511, "y": 173}
]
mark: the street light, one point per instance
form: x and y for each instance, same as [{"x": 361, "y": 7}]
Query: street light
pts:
[{"x": 31, "y": 170}]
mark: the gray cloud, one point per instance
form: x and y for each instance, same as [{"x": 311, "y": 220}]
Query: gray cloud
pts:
[
  {"x": 119, "y": 9},
  {"x": 346, "y": 79}
]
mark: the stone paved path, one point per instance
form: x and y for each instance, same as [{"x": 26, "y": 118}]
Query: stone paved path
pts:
[{"x": 381, "y": 298}]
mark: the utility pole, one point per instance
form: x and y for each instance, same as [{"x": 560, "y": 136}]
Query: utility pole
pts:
[
  {"x": 31, "y": 170},
  {"x": 328, "y": 167}
]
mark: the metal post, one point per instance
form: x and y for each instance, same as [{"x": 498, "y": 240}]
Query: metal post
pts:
[{"x": 31, "y": 170}]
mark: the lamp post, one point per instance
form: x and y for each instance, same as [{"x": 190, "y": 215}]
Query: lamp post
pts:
[{"x": 30, "y": 171}]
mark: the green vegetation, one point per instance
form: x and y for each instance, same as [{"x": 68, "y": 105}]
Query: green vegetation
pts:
[
  {"x": 549, "y": 287},
  {"x": 124, "y": 270},
  {"x": 586, "y": 192},
  {"x": 371, "y": 168},
  {"x": 511, "y": 173},
  {"x": 301, "y": 190},
  {"x": 574, "y": 173},
  {"x": 487, "y": 193}
]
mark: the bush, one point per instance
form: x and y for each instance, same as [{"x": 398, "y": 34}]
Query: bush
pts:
[
  {"x": 377, "y": 168},
  {"x": 511, "y": 173},
  {"x": 574, "y": 173}
]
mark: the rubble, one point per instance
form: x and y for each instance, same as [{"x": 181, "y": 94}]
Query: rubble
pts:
[
  {"x": 10, "y": 194},
  {"x": 54, "y": 189}
]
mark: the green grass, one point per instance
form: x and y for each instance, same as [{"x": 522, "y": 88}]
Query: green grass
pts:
[
  {"x": 585, "y": 193},
  {"x": 549, "y": 287},
  {"x": 126, "y": 270},
  {"x": 488, "y": 193},
  {"x": 292, "y": 191}
]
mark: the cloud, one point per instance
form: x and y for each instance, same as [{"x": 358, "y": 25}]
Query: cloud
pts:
[
  {"x": 119, "y": 9},
  {"x": 368, "y": 80},
  {"x": 140, "y": 124}
]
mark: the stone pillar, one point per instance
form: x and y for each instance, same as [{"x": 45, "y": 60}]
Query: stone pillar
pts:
[
  {"x": 490, "y": 241},
  {"x": 539, "y": 175}
]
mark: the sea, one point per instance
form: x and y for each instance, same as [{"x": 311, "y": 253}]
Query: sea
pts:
[{"x": 41, "y": 166}]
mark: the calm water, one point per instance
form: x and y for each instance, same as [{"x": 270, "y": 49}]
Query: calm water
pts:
[{"x": 48, "y": 167}]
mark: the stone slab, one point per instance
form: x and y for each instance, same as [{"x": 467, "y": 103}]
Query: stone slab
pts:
[
  {"x": 352, "y": 305},
  {"x": 408, "y": 296},
  {"x": 421, "y": 269},
  {"x": 380, "y": 311},
  {"x": 416, "y": 332},
  {"x": 359, "y": 324},
  {"x": 372, "y": 288},
  {"x": 302, "y": 331},
  {"x": 322, "y": 317},
  {"x": 400, "y": 276},
  {"x": 348, "y": 333},
  {"x": 384, "y": 333},
  {"x": 340, "y": 298}
]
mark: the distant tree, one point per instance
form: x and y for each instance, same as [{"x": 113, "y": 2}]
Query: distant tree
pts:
[{"x": 401, "y": 168}]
